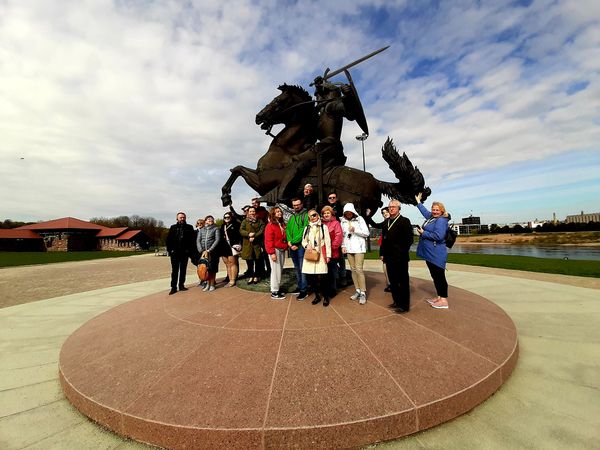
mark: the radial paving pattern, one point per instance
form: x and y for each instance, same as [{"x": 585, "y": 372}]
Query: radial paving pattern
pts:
[{"x": 234, "y": 369}]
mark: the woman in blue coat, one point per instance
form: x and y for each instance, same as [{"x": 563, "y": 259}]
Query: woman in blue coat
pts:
[{"x": 432, "y": 248}]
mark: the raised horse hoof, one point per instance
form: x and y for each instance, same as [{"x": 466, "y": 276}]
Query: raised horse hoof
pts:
[{"x": 226, "y": 199}]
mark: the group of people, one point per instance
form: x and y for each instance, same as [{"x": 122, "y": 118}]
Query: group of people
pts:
[{"x": 319, "y": 241}]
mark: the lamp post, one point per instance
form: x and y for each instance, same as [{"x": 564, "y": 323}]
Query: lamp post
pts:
[{"x": 362, "y": 139}]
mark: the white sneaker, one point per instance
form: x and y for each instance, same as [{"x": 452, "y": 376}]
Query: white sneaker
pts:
[
  {"x": 355, "y": 295},
  {"x": 211, "y": 288},
  {"x": 205, "y": 288},
  {"x": 362, "y": 299}
]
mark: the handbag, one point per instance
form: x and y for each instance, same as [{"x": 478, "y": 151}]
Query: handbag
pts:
[
  {"x": 311, "y": 254},
  {"x": 203, "y": 269}
]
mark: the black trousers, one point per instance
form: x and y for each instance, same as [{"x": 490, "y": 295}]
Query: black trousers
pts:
[
  {"x": 178, "y": 268},
  {"x": 318, "y": 284},
  {"x": 439, "y": 279},
  {"x": 399, "y": 283}
]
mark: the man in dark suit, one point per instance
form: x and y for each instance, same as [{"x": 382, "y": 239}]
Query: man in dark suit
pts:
[
  {"x": 180, "y": 245},
  {"x": 397, "y": 237}
]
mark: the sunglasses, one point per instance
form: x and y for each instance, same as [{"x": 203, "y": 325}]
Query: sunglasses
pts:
[
  {"x": 314, "y": 215},
  {"x": 226, "y": 218},
  {"x": 333, "y": 197}
]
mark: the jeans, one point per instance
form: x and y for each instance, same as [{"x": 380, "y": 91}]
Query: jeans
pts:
[{"x": 298, "y": 259}]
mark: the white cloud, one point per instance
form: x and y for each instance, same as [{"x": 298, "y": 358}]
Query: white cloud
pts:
[{"x": 142, "y": 107}]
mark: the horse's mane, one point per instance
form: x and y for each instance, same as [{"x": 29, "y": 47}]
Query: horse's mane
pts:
[{"x": 295, "y": 89}]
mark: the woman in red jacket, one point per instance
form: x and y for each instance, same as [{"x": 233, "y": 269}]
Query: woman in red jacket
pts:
[
  {"x": 337, "y": 237},
  {"x": 276, "y": 246}
]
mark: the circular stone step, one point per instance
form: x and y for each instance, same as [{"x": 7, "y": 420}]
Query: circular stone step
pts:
[{"x": 235, "y": 369}]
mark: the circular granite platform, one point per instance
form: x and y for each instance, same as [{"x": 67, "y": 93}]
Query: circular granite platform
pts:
[{"x": 234, "y": 369}]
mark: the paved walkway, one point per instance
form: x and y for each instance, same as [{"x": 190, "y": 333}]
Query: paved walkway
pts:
[{"x": 552, "y": 399}]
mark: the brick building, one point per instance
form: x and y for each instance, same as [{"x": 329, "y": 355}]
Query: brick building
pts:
[{"x": 71, "y": 234}]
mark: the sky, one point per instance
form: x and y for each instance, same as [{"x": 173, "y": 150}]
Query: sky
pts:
[{"x": 142, "y": 107}]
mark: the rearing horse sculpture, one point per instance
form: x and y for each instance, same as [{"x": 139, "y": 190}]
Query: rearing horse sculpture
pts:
[{"x": 294, "y": 108}]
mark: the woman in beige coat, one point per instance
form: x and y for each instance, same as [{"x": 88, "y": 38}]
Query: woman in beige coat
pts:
[{"x": 316, "y": 236}]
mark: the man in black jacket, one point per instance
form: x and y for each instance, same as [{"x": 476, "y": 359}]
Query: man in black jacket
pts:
[
  {"x": 397, "y": 237},
  {"x": 180, "y": 245}
]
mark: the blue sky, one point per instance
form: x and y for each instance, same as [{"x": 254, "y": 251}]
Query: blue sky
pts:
[{"x": 141, "y": 107}]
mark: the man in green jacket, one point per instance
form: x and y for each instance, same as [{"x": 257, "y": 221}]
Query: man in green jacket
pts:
[{"x": 294, "y": 231}]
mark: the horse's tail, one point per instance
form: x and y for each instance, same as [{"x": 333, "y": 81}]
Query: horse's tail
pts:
[{"x": 410, "y": 180}]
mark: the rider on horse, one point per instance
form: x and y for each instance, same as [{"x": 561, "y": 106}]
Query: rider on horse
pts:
[{"x": 334, "y": 103}]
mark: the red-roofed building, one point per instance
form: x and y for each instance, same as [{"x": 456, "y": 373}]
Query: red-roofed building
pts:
[
  {"x": 15, "y": 240},
  {"x": 71, "y": 234}
]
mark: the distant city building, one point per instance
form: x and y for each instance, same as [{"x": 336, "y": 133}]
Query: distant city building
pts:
[
  {"x": 470, "y": 225},
  {"x": 583, "y": 218},
  {"x": 471, "y": 220}
]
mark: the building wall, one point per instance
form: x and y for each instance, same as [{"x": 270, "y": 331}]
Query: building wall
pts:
[
  {"x": 114, "y": 245},
  {"x": 583, "y": 218}
]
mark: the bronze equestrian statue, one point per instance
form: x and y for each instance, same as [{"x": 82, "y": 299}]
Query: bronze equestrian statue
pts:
[{"x": 309, "y": 150}]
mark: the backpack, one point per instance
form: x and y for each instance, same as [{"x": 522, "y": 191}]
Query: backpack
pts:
[{"x": 450, "y": 237}]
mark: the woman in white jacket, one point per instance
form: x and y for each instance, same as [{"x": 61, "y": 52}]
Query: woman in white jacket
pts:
[{"x": 356, "y": 233}]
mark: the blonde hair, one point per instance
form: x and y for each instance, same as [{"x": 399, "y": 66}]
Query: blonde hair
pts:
[
  {"x": 200, "y": 222},
  {"x": 327, "y": 208},
  {"x": 442, "y": 208}
]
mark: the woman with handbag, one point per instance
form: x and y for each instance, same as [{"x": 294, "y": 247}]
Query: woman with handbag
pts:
[
  {"x": 207, "y": 242},
  {"x": 317, "y": 254},
  {"x": 276, "y": 246},
  {"x": 252, "y": 231},
  {"x": 230, "y": 247},
  {"x": 356, "y": 233}
]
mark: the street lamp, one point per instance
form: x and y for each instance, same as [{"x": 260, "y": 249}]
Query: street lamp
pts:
[{"x": 362, "y": 138}]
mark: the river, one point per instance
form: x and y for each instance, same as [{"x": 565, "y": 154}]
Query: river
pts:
[
  {"x": 551, "y": 251},
  {"x": 555, "y": 251}
]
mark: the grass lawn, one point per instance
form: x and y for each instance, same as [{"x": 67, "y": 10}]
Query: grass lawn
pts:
[
  {"x": 8, "y": 259},
  {"x": 527, "y": 263}
]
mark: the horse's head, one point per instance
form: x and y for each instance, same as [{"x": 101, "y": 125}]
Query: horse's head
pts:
[{"x": 292, "y": 104}]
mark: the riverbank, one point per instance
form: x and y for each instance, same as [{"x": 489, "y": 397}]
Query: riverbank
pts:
[{"x": 578, "y": 238}]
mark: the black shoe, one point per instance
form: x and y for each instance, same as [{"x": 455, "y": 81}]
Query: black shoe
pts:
[
  {"x": 183, "y": 288},
  {"x": 388, "y": 288},
  {"x": 394, "y": 305},
  {"x": 277, "y": 296},
  {"x": 326, "y": 302},
  {"x": 251, "y": 281},
  {"x": 302, "y": 296},
  {"x": 316, "y": 300},
  {"x": 172, "y": 291}
]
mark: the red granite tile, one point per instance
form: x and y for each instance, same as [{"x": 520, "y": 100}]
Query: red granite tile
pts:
[
  {"x": 134, "y": 362},
  {"x": 511, "y": 362},
  {"x": 264, "y": 314},
  {"x": 178, "y": 437},
  {"x": 480, "y": 335},
  {"x": 224, "y": 384},
  {"x": 343, "y": 435},
  {"x": 427, "y": 366},
  {"x": 104, "y": 415},
  {"x": 353, "y": 312},
  {"x": 327, "y": 376},
  {"x": 304, "y": 315},
  {"x": 444, "y": 409}
]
